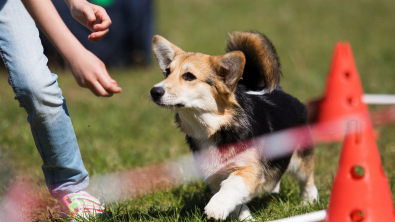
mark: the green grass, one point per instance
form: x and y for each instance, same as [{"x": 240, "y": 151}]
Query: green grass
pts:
[{"x": 127, "y": 131}]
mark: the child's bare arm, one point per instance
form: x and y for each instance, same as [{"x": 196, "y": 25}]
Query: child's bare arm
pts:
[{"x": 88, "y": 70}]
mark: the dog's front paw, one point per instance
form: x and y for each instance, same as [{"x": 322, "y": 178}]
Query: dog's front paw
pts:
[
  {"x": 219, "y": 208},
  {"x": 309, "y": 195}
]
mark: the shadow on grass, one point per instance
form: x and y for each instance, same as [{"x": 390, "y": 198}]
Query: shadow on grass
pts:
[{"x": 190, "y": 206}]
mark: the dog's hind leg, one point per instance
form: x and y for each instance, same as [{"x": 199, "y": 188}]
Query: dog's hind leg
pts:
[
  {"x": 277, "y": 187},
  {"x": 302, "y": 168}
]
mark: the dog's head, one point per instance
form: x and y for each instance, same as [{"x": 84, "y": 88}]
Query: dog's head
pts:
[{"x": 196, "y": 85}]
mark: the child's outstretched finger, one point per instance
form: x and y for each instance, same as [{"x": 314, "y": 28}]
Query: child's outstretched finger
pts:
[
  {"x": 114, "y": 89},
  {"x": 97, "y": 36},
  {"x": 109, "y": 86},
  {"x": 100, "y": 91}
]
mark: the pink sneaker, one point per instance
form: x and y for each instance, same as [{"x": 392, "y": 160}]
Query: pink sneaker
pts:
[{"x": 81, "y": 204}]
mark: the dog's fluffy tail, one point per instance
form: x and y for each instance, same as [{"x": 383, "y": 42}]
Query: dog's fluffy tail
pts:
[{"x": 262, "y": 68}]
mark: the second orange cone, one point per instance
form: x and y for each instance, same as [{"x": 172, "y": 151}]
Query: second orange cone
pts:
[{"x": 360, "y": 191}]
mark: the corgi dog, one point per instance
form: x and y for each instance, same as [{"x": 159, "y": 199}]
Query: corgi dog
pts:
[{"x": 220, "y": 101}]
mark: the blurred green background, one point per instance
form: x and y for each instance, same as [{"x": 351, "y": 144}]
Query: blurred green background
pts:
[{"x": 127, "y": 130}]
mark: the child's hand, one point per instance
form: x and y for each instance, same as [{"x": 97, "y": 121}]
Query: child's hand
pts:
[
  {"x": 94, "y": 17},
  {"x": 90, "y": 72}
]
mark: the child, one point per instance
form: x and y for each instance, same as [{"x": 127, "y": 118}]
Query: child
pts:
[{"x": 37, "y": 90}]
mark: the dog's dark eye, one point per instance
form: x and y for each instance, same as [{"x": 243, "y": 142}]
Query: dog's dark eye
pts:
[
  {"x": 167, "y": 72},
  {"x": 188, "y": 76}
]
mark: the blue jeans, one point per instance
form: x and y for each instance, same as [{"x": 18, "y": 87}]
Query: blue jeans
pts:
[{"x": 37, "y": 91}]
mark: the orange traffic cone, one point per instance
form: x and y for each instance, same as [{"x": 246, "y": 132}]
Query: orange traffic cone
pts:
[
  {"x": 360, "y": 191},
  {"x": 343, "y": 96}
]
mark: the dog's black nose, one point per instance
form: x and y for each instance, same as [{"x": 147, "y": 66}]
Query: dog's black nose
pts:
[{"x": 157, "y": 92}]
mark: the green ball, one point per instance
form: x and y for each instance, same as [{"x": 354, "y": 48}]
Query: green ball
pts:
[{"x": 103, "y": 3}]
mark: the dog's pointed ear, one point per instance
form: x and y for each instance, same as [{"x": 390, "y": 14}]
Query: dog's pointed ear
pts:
[
  {"x": 164, "y": 51},
  {"x": 229, "y": 68}
]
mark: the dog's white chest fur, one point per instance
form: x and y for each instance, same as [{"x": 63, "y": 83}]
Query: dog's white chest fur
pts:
[{"x": 214, "y": 164}]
